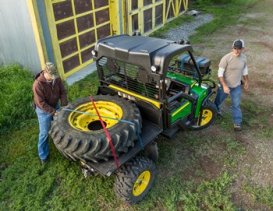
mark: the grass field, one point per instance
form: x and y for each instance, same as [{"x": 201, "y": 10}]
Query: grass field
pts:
[{"x": 212, "y": 169}]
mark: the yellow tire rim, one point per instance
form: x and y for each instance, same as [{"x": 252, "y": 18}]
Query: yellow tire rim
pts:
[
  {"x": 206, "y": 117},
  {"x": 85, "y": 117},
  {"x": 141, "y": 183}
]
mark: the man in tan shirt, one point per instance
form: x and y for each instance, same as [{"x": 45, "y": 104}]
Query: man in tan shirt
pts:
[{"x": 232, "y": 69}]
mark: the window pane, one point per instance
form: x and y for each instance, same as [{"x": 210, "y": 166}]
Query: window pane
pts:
[
  {"x": 102, "y": 16},
  {"x": 148, "y": 24},
  {"x": 134, "y": 4},
  {"x": 68, "y": 47},
  {"x": 71, "y": 63},
  {"x": 100, "y": 3},
  {"x": 85, "y": 22},
  {"x": 87, "y": 39},
  {"x": 159, "y": 15},
  {"x": 62, "y": 10},
  {"x": 65, "y": 29},
  {"x": 82, "y": 6},
  {"x": 103, "y": 31},
  {"x": 135, "y": 22},
  {"x": 86, "y": 55},
  {"x": 147, "y": 2}
]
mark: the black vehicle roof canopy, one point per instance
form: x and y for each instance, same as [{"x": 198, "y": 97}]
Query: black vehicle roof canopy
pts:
[{"x": 140, "y": 50}]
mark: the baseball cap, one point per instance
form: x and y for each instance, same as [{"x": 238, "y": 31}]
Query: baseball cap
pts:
[
  {"x": 239, "y": 44},
  {"x": 51, "y": 70}
]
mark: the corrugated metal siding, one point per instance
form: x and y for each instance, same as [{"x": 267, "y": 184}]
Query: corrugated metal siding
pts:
[{"x": 17, "y": 43}]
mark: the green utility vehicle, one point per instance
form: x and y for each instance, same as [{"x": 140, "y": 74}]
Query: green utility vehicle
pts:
[{"x": 148, "y": 87}]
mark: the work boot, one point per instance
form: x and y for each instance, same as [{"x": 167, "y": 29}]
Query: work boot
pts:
[
  {"x": 220, "y": 114},
  {"x": 43, "y": 162},
  {"x": 237, "y": 127}
]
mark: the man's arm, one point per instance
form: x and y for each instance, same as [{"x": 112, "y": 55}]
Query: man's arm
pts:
[
  {"x": 222, "y": 80},
  {"x": 246, "y": 86},
  {"x": 245, "y": 77}
]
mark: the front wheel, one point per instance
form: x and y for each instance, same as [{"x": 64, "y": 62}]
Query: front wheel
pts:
[
  {"x": 207, "y": 116},
  {"x": 135, "y": 179}
]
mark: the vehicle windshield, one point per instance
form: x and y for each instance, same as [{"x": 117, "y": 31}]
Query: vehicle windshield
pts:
[{"x": 183, "y": 64}]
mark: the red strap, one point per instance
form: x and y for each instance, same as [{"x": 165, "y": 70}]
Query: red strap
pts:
[{"x": 107, "y": 134}]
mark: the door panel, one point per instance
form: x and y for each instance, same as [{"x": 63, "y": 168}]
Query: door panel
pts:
[{"x": 75, "y": 26}]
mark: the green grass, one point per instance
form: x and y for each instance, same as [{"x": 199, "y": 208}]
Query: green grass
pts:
[
  {"x": 196, "y": 170},
  {"x": 223, "y": 15},
  {"x": 210, "y": 195},
  {"x": 261, "y": 195},
  {"x": 60, "y": 185},
  {"x": 15, "y": 96},
  {"x": 85, "y": 87}
]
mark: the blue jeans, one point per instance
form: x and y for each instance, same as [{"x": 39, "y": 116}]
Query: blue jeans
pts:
[
  {"x": 235, "y": 95},
  {"x": 44, "y": 119}
]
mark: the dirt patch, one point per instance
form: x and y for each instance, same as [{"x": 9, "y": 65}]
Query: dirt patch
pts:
[
  {"x": 209, "y": 166},
  {"x": 256, "y": 164},
  {"x": 264, "y": 44}
]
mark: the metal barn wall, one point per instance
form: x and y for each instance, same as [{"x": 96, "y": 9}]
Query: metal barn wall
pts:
[{"x": 17, "y": 41}]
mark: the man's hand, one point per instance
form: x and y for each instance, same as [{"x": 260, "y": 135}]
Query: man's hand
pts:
[
  {"x": 246, "y": 86},
  {"x": 224, "y": 85},
  {"x": 226, "y": 89}
]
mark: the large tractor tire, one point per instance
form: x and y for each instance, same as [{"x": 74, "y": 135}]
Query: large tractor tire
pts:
[
  {"x": 79, "y": 135},
  {"x": 134, "y": 179},
  {"x": 207, "y": 116}
]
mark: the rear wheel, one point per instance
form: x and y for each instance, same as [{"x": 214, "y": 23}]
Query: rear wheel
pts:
[
  {"x": 135, "y": 179},
  {"x": 207, "y": 116}
]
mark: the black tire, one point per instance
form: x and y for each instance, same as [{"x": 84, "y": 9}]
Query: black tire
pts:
[
  {"x": 86, "y": 141},
  {"x": 135, "y": 179},
  {"x": 207, "y": 114}
]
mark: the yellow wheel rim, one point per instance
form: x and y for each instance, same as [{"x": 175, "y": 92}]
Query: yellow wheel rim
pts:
[
  {"x": 206, "y": 117},
  {"x": 141, "y": 183},
  {"x": 85, "y": 117}
]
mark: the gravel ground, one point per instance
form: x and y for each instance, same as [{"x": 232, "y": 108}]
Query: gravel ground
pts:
[{"x": 185, "y": 30}]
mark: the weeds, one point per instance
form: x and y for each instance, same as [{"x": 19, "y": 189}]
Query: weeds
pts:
[
  {"x": 15, "y": 96},
  {"x": 210, "y": 195},
  {"x": 260, "y": 194}
]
